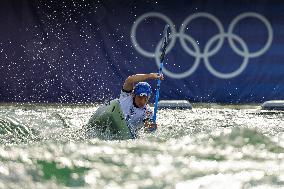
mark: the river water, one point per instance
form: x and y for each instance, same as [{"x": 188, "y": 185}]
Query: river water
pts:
[{"x": 210, "y": 146}]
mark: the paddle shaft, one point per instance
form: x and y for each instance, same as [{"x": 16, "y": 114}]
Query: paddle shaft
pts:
[
  {"x": 162, "y": 57},
  {"x": 157, "y": 94}
]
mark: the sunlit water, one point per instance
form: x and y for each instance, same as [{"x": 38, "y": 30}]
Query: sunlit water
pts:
[{"x": 209, "y": 146}]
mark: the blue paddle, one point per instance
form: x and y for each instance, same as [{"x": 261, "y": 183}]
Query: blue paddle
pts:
[{"x": 162, "y": 57}]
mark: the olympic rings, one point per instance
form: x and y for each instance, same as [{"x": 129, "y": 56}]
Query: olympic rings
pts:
[{"x": 196, "y": 52}]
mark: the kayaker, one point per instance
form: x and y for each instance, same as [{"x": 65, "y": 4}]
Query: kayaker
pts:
[{"x": 134, "y": 99}]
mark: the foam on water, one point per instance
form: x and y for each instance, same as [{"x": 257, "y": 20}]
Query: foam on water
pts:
[{"x": 207, "y": 147}]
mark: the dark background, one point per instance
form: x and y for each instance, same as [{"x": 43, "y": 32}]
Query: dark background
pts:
[{"x": 81, "y": 51}]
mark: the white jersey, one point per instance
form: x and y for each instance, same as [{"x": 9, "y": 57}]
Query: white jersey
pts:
[{"x": 134, "y": 116}]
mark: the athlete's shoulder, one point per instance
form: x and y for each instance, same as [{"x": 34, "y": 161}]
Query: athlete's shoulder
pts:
[{"x": 124, "y": 93}]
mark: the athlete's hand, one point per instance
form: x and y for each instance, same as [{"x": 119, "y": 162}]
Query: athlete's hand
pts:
[
  {"x": 150, "y": 127},
  {"x": 156, "y": 76}
]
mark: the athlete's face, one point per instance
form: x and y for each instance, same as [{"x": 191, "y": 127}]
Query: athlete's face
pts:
[{"x": 140, "y": 101}]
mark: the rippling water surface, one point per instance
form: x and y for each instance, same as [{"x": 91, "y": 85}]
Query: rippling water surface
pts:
[{"x": 210, "y": 146}]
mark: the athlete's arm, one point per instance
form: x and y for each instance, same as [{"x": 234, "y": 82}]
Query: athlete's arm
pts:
[{"x": 131, "y": 80}]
